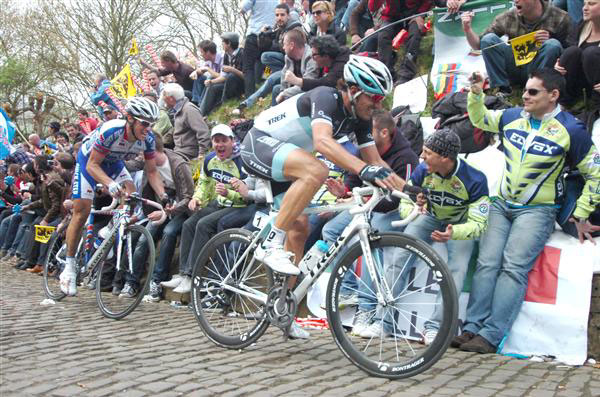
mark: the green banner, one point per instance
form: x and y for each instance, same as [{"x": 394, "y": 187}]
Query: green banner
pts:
[{"x": 485, "y": 12}]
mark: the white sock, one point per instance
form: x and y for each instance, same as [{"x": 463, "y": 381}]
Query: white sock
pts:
[
  {"x": 276, "y": 238},
  {"x": 70, "y": 266}
]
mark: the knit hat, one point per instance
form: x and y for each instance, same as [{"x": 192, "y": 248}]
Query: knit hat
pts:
[{"x": 444, "y": 142}]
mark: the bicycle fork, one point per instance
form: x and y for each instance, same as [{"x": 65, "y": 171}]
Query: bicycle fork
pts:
[
  {"x": 384, "y": 292},
  {"x": 127, "y": 237}
]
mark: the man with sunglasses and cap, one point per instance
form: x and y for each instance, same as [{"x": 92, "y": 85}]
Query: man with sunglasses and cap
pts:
[
  {"x": 101, "y": 159},
  {"x": 539, "y": 141},
  {"x": 279, "y": 148}
]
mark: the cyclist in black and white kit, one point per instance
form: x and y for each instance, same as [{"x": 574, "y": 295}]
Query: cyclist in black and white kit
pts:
[{"x": 279, "y": 148}]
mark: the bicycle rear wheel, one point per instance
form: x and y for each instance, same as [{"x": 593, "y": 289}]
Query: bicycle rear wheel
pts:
[
  {"x": 230, "y": 319},
  {"x": 53, "y": 265},
  {"x": 420, "y": 284},
  {"x": 119, "y": 306}
]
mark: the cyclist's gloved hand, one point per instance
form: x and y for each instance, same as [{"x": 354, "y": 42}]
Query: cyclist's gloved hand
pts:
[
  {"x": 9, "y": 180},
  {"x": 370, "y": 173},
  {"x": 114, "y": 189}
]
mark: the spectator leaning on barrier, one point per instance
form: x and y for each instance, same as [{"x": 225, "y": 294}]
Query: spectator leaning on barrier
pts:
[
  {"x": 190, "y": 132},
  {"x": 580, "y": 63},
  {"x": 230, "y": 83},
  {"x": 552, "y": 26},
  {"x": 299, "y": 63},
  {"x": 214, "y": 198},
  {"x": 539, "y": 141}
]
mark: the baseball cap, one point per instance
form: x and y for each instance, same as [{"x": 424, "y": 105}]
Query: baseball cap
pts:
[{"x": 221, "y": 129}]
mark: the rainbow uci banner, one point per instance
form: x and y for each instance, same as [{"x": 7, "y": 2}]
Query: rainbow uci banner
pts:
[{"x": 454, "y": 61}]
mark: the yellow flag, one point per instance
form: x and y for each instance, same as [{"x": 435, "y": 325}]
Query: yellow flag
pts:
[
  {"x": 43, "y": 233},
  {"x": 134, "y": 47},
  {"x": 122, "y": 85},
  {"x": 524, "y": 48}
]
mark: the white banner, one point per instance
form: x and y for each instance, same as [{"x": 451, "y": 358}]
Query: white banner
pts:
[{"x": 553, "y": 319}]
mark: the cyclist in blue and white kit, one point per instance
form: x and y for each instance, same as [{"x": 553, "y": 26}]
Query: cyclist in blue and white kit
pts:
[
  {"x": 279, "y": 148},
  {"x": 101, "y": 159}
]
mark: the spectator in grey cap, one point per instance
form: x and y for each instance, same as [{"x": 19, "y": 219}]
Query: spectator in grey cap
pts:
[
  {"x": 455, "y": 215},
  {"x": 230, "y": 83}
]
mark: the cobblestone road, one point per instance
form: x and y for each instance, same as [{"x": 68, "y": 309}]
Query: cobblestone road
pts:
[{"x": 69, "y": 349}]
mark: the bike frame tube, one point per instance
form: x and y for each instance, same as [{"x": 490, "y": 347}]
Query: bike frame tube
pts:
[{"x": 359, "y": 224}]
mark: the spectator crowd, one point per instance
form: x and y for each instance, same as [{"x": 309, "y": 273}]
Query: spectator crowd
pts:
[{"x": 292, "y": 48}]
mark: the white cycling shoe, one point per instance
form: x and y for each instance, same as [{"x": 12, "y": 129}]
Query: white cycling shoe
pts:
[
  {"x": 278, "y": 259},
  {"x": 68, "y": 282},
  {"x": 184, "y": 286},
  {"x": 174, "y": 282}
]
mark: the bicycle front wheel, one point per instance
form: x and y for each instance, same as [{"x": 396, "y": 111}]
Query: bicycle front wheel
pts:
[
  {"x": 54, "y": 262},
  {"x": 231, "y": 317},
  {"x": 114, "y": 299},
  {"x": 412, "y": 290}
]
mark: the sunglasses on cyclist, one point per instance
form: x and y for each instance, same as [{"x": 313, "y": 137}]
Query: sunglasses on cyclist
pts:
[
  {"x": 374, "y": 97},
  {"x": 144, "y": 122},
  {"x": 532, "y": 91},
  {"x": 319, "y": 12}
]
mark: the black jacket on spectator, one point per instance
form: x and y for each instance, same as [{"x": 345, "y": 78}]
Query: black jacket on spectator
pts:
[
  {"x": 401, "y": 159},
  {"x": 335, "y": 72},
  {"x": 272, "y": 40},
  {"x": 333, "y": 30}
]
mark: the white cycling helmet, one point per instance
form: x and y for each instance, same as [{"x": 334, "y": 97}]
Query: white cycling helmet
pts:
[
  {"x": 142, "y": 108},
  {"x": 369, "y": 74}
]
